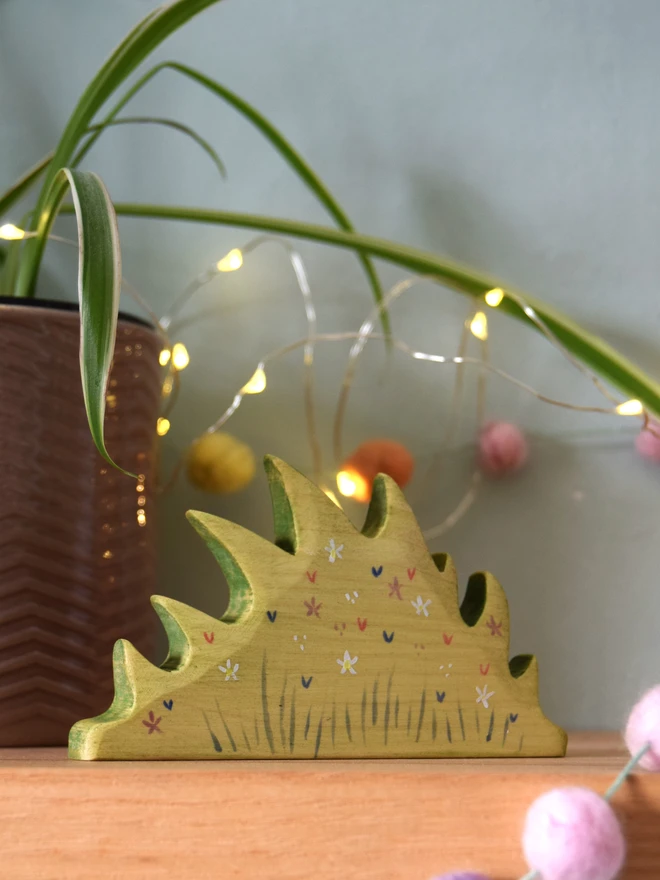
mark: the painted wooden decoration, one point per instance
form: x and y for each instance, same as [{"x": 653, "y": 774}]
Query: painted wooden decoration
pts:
[{"x": 335, "y": 644}]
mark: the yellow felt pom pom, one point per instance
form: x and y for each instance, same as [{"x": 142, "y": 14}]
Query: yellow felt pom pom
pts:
[{"x": 220, "y": 463}]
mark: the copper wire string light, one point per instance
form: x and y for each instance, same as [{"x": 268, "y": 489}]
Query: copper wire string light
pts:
[
  {"x": 175, "y": 357},
  {"x": 476, "y": 326}
]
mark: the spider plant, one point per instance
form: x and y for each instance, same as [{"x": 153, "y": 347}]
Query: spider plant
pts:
[{"x": 99, "y": 277}]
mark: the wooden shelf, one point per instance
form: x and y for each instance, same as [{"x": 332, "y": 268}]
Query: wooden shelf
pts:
[{"x": 338, "y": 820}]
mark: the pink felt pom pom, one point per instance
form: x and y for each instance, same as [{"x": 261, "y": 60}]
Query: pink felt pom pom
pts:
[
  {"x": 647, "y": 442},
  {"x": 461, "y": 875},
  {"x": 573, "y": 834},
  {"x": 502, "y": 448},
  {"x": 644, "y": 727}
]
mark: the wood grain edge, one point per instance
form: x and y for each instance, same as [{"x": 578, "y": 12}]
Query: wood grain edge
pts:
[{"x": 376, "y": 819}]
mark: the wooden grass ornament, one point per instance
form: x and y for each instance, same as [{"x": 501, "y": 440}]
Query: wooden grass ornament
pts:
[{"x": 336, "y": 644}]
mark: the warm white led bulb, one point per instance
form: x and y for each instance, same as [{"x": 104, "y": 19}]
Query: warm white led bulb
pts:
[
  {"x": 164, "y": 357},
  {"x": 231, "y": 262},
  {"x": 352, "y": 484},
  {"x": 162, "y": 426},
  {"x": 180, "y": 356},
  {"x": 257, "y": 383},
  {"x": 9, "y": 232},
  {"x": 630, "y": 408},
  {"x": 479, "y": 326},
  {"x": 346, "y": 484},
  {"x": 494, "y": 297}
]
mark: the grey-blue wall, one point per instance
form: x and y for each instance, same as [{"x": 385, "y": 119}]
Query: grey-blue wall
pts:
[{"x": 521, "y": 137}]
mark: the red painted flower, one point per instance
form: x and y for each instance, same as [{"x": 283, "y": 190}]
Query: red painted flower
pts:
[{"x": 313, "y": 607}]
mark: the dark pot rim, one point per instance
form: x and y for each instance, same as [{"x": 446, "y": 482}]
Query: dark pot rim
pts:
[{"x": 62, "y": 306}]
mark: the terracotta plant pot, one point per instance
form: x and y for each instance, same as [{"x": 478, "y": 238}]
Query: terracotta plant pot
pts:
[{"x": 77, "y": 558}]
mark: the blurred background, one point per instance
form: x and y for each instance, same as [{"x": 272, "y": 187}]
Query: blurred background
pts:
[{"x": 516, "y": 137}]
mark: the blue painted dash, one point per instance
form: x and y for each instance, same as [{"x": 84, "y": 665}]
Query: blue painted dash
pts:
[
  {"x": 168, "y": 704},
  {"x": 271, "y": 616},
  {"x": 306, "y": 681},
  {"x": 440, "y": 696},
  {"x": 387, "y": 638},
  {"x": 376, "y": 572}
]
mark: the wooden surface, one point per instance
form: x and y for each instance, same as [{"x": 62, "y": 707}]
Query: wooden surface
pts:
[
  {"x": 297, "y": 820},
  {"x": 336, "y": 643}
]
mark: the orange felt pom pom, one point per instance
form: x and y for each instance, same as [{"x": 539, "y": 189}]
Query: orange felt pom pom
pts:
[{"x": 358, "y": 472}]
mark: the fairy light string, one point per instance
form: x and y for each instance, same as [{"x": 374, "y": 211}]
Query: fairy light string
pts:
[
  {"x": 365, "y": 333},
  {"x": 453, "y": 419},
  {"x": 417, "y": 355},
  {"x": 453, "y": 422},
  {"x": 176, "y": 358},
  {"x": 476, "y": 326},
  {"x": 609, "y": 794},
  {"x": 233, "y": 261},
  {"x": 493, "y": 298},
  {"x": 541, "y": 325}
]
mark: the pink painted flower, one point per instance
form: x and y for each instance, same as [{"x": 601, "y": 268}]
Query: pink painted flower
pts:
[{"x": 502, "y": 449}]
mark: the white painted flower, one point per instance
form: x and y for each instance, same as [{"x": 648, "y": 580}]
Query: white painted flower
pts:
[
  {"x": 421, "y": 607},
  {"x": 301, "y": 642},
  {"x": 229, "y": 671},
  {"x": 484, "y": 696},
  {"x": 347, "y": 664},
  {"x": 351, "y": 598},
  {"x": 333, "y": 551}
]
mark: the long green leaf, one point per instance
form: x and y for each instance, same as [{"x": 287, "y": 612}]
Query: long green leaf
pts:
[
  {"x": 23, "y": 184},
  {"x": 168, "y": 123},
  {"x": 276, "y": 139},
  {"x": 137, "y": 45},
  {"x": 99, "y": 286},
  {"x": 590, "y": 349},
  {"x": 18, "y": 189},
  {"x": 10, "y": 267},
  {"x": 30, "y": 177}
]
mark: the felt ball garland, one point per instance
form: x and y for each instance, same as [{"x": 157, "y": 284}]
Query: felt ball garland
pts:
[
  {"x": 220, "y": 463},
  {"x": 643, "y": 730},
  {"x": 462, "y": 875},
  {"x": 573, "y": 833},
  {"x": 647, "y": 441},
  {"x": 502, "y": 449},
  {"x": 380, "y": 456}
]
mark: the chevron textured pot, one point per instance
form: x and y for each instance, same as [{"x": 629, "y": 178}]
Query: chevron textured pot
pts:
[{"x": 77, "y": 554}]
